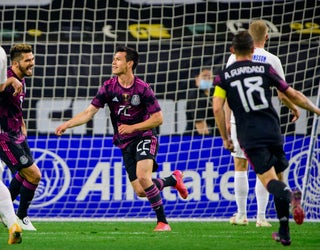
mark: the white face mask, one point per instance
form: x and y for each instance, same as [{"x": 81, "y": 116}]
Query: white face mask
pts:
[{"x": 205, "y": 84}]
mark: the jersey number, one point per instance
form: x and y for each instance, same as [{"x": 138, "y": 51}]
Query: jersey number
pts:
[
  {"x": 144, "y": 145},
  {"x": 124, "y": 110},
  {"x": 252, "y": 84}
]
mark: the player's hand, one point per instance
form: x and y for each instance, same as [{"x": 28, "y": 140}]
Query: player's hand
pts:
[
  {"x": 296, "y": 114},
  {"x": 60, "y": 130},
  {"x": 17, "y": 86},
  {"x": 125, "y": 129},
  {"x": 228, "y": 144}
]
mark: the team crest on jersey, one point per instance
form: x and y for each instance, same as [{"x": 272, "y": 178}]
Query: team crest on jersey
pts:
[
  {"x": 135, "y": 100},
  {"x": 23, "y": 159},
  {"x": 125, "y": 97}
]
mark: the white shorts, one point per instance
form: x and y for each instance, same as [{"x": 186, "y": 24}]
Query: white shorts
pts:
[{"x": 238, "y": 151}]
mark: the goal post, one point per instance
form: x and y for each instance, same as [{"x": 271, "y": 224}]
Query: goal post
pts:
[
  {"x": 74, "y": 42},
  {"x": 310, "y": 187}
]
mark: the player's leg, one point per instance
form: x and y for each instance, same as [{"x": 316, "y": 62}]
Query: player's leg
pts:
[
  {"x": 241, "y": 186},
  {"x": 139, "y": 168},
  {"x": 267, "y": 164},
  {"x": 144, "y": 176},
  {"x": 262, "y": 196},
  {"x": 241, "y": 189},
  {"x": 8, "y": 215},
  {"x": 175, "y": 180},
  {"x": 25, "y": 180},
  {"x": 31, "y": 178}
]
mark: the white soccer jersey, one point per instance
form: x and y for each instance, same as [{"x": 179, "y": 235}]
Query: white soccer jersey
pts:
[{"x": 3, "y": 63}]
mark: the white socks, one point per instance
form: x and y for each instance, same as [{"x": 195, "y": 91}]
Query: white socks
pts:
[
  {"x": 241, "y": 188},
  {"x": 262, "y": 196}
]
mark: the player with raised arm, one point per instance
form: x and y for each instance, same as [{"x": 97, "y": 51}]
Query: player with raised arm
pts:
[
  {"x": 259, "y": 32},
  {"x": 135, "y": 115},
  {"x": 247, "y": 87},
  {"x": 7, "y": 213},
  {"x": 14, "y": 148}
]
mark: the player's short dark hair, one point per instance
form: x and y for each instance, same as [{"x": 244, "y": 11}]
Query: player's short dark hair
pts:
[
  {"x": 242, "y": 42},
  {"x": 17, "y": 50},
  {"x": 132, "y": 55}
]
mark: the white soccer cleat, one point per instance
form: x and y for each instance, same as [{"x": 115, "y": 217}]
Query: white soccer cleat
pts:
[
  {"x": 263, "y": 223},
  {"x": 26, "y": 224},
  {"x": 239, "y": 220}
]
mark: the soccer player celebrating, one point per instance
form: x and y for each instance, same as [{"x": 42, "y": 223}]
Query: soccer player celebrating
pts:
[
  {"x": 247, "y": 87},
  {"x": 14, "y": 148},
  {"x": 135, "y": 115},
  {"x": 259, "y": 32},
  {"x": 6, "y": 207}
]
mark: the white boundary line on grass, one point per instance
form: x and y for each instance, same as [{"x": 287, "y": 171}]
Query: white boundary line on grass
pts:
[{"x": 59, "y": 219}]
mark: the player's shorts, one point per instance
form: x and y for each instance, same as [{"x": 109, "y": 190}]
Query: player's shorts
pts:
[
  {"x": 238, "y": 152},
  {"x": 141, "y": 149},
  {"x": 262, "y": 159},
  {"x": 16, "y": 156}
]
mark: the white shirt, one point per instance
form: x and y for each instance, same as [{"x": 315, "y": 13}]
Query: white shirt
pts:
[{"x": 3, "y": 65}]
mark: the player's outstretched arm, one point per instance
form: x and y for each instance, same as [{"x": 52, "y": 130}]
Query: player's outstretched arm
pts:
[
  {"x": 78, "y": 120},
  {"x": 301, "y": 100}
]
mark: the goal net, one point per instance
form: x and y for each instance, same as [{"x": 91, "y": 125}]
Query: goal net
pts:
[{"x": 74, "y": 42}]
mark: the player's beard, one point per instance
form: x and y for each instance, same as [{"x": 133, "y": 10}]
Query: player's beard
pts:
[{"x": 26, "y": 71}]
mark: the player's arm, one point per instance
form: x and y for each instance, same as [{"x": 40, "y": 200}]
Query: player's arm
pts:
[
  {"x": 301, "y": 100},
  {"x": 155, "y": 120},
  {"x": 78, "y": 120},
  {"x": 277, "y": 67},
  {"x": 14, "y": 82},
  {"x": 227, "y": 112},
  {"x": 219, "y": 98},
  {"x": 4, "y": 82},
  {"x": 286, "y": 101}
]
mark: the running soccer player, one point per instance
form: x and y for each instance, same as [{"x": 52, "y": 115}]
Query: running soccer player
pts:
[
  {"x": 14, "y": 148},
  {"x": 135, "y": 115},
  {"x": 247, "y": 87}
]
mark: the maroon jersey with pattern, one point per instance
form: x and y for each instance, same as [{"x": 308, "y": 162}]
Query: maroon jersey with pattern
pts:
[
  {"x": 11, "y": 111},
  {"x": 127, "y": 106}
]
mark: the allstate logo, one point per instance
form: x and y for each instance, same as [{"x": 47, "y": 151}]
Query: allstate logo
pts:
[{"x": 55, "y": 178}]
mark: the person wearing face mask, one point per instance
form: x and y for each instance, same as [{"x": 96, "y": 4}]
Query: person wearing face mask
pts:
[{"x": 199, "y": 114}]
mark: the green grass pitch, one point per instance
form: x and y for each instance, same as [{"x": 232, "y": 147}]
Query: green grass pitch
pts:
[{"x": 92, "y": 235}]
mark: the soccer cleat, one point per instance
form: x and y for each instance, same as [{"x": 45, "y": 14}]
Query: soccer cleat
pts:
[
  {"x": 162, "y": 227},
  {"x": 285, "y": 240},
  {"x": 263, "y": 223},
  {"x": 297, "y": 210},
  {"x": 26, "y": 224},
  {"x": 275, "y": 236},
  {"x": 183, "y": 191},
  {"x": 15, "y": 234},
  {"x": 239, "y": 220}
]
